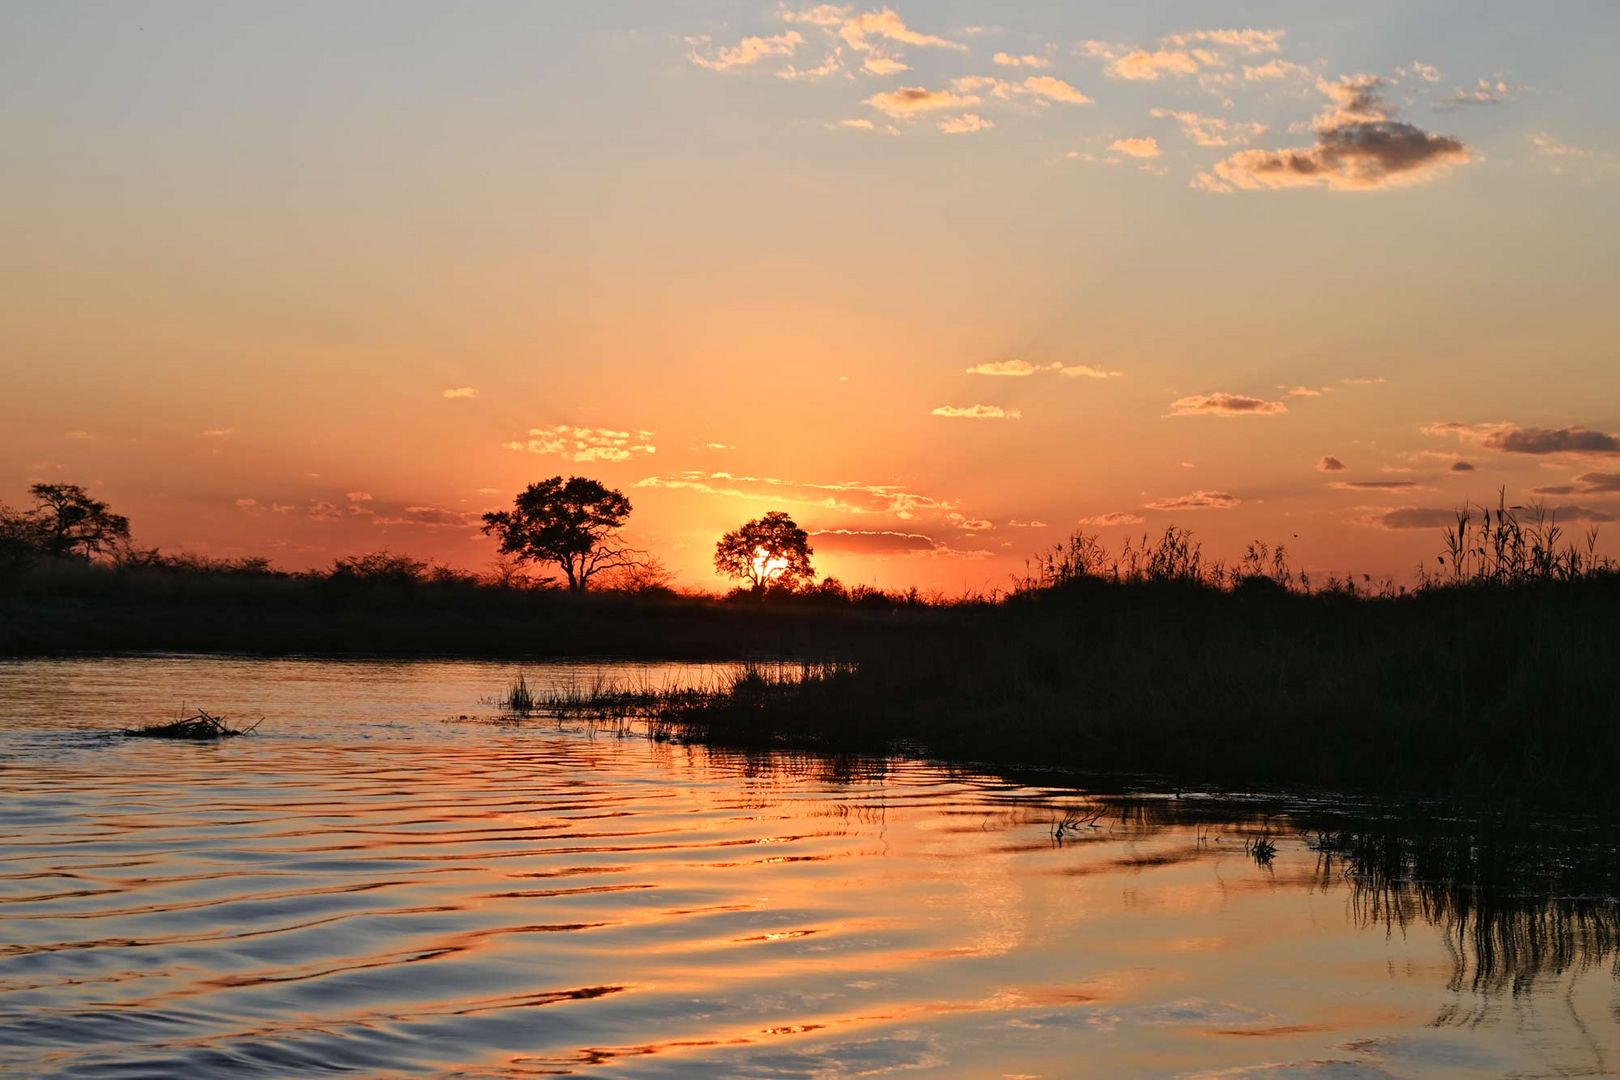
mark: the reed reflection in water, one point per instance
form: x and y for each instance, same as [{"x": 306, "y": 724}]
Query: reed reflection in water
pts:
[{"x": 363, "y": 887}]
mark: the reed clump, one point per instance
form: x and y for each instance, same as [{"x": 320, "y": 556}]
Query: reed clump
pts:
[{"x": 518, "y": 699}]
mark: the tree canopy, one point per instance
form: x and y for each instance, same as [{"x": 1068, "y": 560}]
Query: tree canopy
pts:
[
  {"x": 64, "y": 523},
  {"x": 770, "y": 552},
  {"x": 572, "y": 523}
]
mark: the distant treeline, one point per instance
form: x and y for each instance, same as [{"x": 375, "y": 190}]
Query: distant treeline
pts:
[{"x": 385, "y": 604}]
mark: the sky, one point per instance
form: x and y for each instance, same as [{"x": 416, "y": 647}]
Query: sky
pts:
[{"x": 944, "y": 281}]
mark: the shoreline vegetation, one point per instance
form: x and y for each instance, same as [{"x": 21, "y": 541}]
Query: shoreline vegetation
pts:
[
  {"x": 1497, "y": 682},
  {"x": 1494, "y": 677}
]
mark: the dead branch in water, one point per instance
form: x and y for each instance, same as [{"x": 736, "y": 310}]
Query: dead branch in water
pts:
[{"x": 201, "y": 726}]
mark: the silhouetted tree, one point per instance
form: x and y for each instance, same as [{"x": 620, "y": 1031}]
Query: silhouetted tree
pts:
[
  {"x": 771, "y": 552},
  {"x": 64, "y": 523},
  {"x": 571, "y": 523}
]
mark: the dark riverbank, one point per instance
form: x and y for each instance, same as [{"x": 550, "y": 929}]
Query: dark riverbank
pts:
[{"x": 1484, "y": 692}]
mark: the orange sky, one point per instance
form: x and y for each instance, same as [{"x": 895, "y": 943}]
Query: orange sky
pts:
[{"x": 945, "y": 282}]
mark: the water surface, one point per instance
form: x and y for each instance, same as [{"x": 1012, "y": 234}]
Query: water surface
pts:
[{"x": 369, "y": 885}]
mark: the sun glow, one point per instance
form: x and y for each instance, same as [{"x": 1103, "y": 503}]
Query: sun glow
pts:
[{"x": 767, "y": 566}]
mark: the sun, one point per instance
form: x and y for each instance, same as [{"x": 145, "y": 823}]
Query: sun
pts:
[{"x": 767, "y": 565}]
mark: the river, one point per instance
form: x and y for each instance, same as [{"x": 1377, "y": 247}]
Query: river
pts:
[{"x": 380, "y": 882}]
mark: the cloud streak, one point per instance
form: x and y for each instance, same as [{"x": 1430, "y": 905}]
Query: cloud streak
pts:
[
  {"x": 911, "y": 100},
  {"x": 1225, "y": 405},
  {"x": 978, "y": 412},
  {"x": 1024, "y": 369},
  {"x": 1512, "y": 439},
  {"x": 1196, "y": 500}
]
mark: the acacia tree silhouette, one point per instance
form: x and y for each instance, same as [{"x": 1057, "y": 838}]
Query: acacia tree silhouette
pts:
[
  {"x": 768, "y": 552},
  {"x": 65, "y": 523},
  {"x": 571, "y": 523}
]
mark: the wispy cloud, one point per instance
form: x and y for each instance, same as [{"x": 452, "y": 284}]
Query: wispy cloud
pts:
[
  {"x": 461, "y": 392},
  {"x": 1054, "y": 89},
  {"x": 885, "y": 24},
  {"x": 830, "y": 66},
  {"x": 1145, "y": 147},
  {"x": 1118, "y": 517},
  {"x": 1008, "y": 368},
  {"x": 1196, "y": 500},
  {"x": 1028, "y": 60},
  {"x": 1275, "y": 69},
  {"x": 1512, "y": 439},
  {"x": 966, "y": 124},
  {"x": 1373, "y": 485},
  {"x": 911, "y": 100},
  {"x": 1409, "y": 517},
  {"x": 1211, "y": 130},
  {"x": 1330, "y": 464},
  {"x": 429, "y": 517},
  {"x": 1024, "y": 369},
  {"x": 1180, "y": 55},
  {"x": 978, "y": 412},
  {"x": 871, "y": 541},
  {"x": 1219, "y": 404},
  {"x": 848, "y": 497},
  {"x": 585, "y": 444},
  {"x": 1484, "y": 92},
  {"x": 1429, "y": 517},
  {"x": 748, "y": 51}
]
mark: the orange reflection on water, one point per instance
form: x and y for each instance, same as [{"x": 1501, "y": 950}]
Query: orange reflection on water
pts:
[{"x": 369, "y": 887}]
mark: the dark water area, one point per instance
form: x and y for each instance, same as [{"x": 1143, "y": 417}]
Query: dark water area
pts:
[{"x": 370, "y": 885}]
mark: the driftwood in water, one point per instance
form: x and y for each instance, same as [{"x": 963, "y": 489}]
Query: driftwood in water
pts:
[{"x": 200, "y": 726}]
